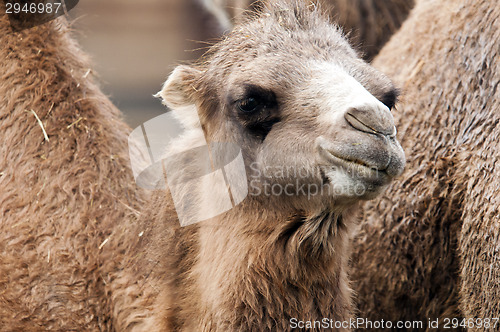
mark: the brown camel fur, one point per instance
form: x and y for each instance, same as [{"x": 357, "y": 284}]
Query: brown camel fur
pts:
[
  {"x": 67, "y": 200},
  {"x": 369, "y": 23},
  {"x": 431, "y": 246},
  {"x": 76, "y": 257}
]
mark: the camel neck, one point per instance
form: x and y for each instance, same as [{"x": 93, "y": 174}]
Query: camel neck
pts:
[{"x": 283, "y": 270}]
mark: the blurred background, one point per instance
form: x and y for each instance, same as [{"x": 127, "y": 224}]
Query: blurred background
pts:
[{"x": 134, "y": 45}]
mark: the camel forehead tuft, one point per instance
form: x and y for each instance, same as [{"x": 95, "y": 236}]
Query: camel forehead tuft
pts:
[
  {"x": 290, "y": 29},
  {"x": 295, "y": 14}
]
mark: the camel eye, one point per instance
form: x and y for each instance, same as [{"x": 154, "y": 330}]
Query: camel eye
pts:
[
  {"x": 249, "y": 105},
  {"x": 255, "y": 100},
  {"x": 257, "y": 110}
]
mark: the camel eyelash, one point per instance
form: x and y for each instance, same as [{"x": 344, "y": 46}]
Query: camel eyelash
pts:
[
  {"x": 250, "y": 105},
  {"x": 255, "y": 98},
  {"x": 390, "y": 98}
]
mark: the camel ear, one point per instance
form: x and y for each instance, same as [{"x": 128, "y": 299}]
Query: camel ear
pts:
[{"x": 178, "y": 90}]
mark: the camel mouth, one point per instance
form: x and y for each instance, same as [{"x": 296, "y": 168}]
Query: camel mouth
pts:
[
  {"x": 350, "y": 161},
  {"x": 353, "y": 165}
]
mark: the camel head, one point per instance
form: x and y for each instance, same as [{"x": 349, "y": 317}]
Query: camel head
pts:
[{"x": 312, "y": 119}]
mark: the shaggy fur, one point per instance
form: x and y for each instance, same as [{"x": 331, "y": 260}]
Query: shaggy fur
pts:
[
  {"x": 431, "y": 247},
  {"x": 369, "y": 23},
  {"x": 76, "y": 257},
  {"x": 68, "y": 201},
  {"x": 271, "y": 258}
]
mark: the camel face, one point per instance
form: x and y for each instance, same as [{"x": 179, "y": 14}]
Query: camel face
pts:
[
  {"x": 313, "y": 124},
  {"x": 311, "y": 118}
]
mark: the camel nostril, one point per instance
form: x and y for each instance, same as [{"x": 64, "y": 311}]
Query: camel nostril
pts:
[{"x": 372, "y": 119}]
